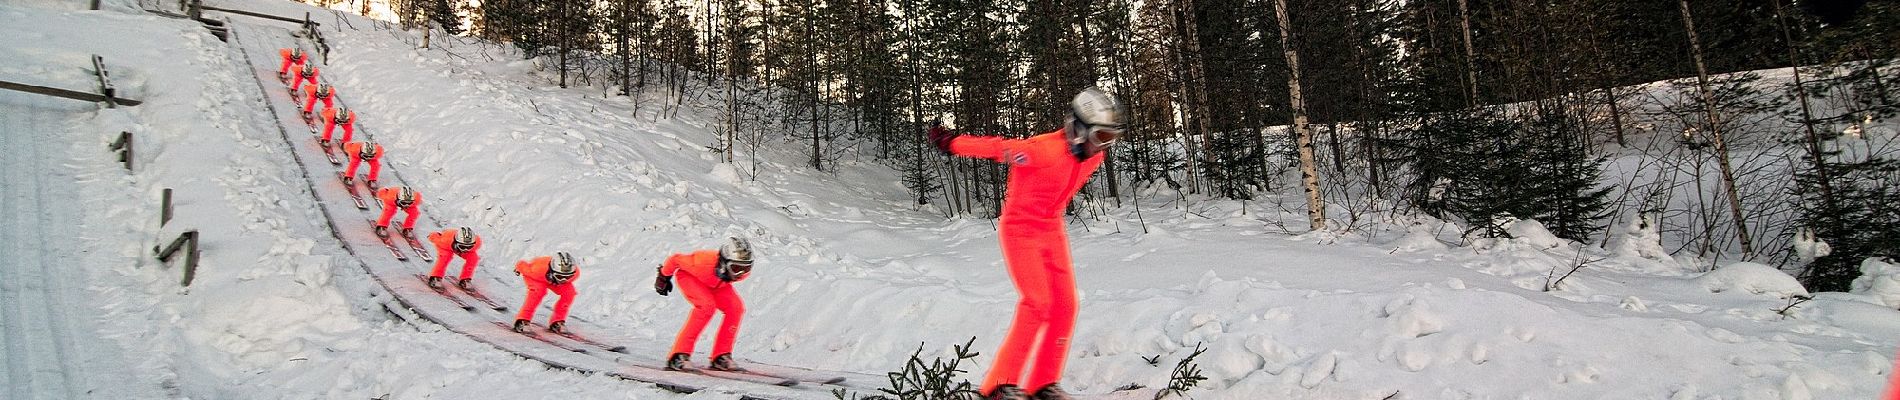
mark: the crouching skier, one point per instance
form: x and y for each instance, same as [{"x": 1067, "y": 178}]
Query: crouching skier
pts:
[
  {"x": 706, "y": 277},
  {"x": 460, "y": 242},
  {"x": 543, "y": 274}
]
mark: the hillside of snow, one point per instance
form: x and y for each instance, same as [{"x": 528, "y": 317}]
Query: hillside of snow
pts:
[{"x": 852, "y": 277}]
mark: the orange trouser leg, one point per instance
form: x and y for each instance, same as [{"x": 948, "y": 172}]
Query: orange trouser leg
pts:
[
  {"x": 703, "y": 307},
  {"x": 1045, "y": 316},
  {"x": 535, "y": 291},
  {"x": 389, "y": 211},
  {"x": 442, "y": 263},
  {"x": 349, "y": 130},
  {"x": 1893, "y": 383},
  {"x": 374, "y": 168},
  {"x": 350, "y": 171},
  {"x": 409, "y": 222},
  {"x": 469, "y": 260},
  {"x": 567, "y": 299},
  {"x": 328, "y": 126},
  {"x": 726, "y": 299}
]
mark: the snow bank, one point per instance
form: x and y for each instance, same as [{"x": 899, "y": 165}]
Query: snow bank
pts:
[
  {"x": 1751, "y": 278},
  {"x": 1880, "y": 280}
]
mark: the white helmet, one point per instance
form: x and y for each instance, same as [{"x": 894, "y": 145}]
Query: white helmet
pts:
[
  {"x": 1095, "y": 122},
  {"x": 562, "y": 268},
  {"x": 735, "y": 259},
  {"x": 368, "y": 151},
  {"x": 464, "y": 239},
  {"x": 405, "y": 197}
]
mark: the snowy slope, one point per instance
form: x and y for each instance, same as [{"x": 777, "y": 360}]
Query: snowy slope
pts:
[{"x": 851, "y": 278}]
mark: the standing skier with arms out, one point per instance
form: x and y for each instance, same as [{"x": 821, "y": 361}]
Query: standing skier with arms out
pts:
[
  {"x": 543, "y": 274},
  {"x": 460, "y": 242},
  {"x": 1045, "y": 171},
  {"x": 398, "y": 197},
  {"x": 706, "y": 277}
]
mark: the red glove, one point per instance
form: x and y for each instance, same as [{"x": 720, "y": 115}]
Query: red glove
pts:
[{"x": 941, "y": 137}]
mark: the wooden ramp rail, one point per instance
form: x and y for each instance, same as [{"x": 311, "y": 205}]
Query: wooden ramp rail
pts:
[{"x": 70, "y": 94}]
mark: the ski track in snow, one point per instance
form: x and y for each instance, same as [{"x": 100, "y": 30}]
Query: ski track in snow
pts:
[{"x": 39, "y": 336}]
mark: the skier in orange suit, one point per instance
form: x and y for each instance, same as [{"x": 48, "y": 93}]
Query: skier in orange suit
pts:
[
  {"x": 459, "y": 242},
  {"x": 307, "y": 73},
  {"x": 1046, "y": 170},
  {"x": 335, "y": 117},
  {"x": 706, "y": 277},
  {"x": 313, "y": 93},
  {"x": 543, "y": 274},
  {"x": 294, "y": 57},
  {"x": 364, "y": 152},
  {"x": 398, "y": 197}
]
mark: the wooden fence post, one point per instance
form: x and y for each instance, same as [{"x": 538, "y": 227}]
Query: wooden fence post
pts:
[
  {"x": 165, "y": 208},
  {"x": 124, "y": 146},
  {"x": 105, "y": 80},
  {"x": 189, "y": 242}
]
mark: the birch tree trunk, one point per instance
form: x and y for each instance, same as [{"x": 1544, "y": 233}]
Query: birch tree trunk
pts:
[
  {"x": 1309, "y": 172},
  {"x": 1715, "y": 134}
]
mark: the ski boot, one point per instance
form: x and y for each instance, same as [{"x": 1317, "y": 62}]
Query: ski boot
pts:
[
  {"x": 1006, "y": 392},
  {"x": 348, "y": 181},
  {"x": 465, "y": 284},
  {"x": 382, "y": 231},
  {"x": 521, "y": 326},
  {"x": 1051, "y": 392},
  {"x": 557, "y": 327},
  {"x": 435, "y": 282},
  {"x": 408, "y": 232},
  {"x": 723, "y": 362},
  {"x": 324, "y": 142},
  {"x": 371, "y": 183},
  {"x": 677, "y": 362}
]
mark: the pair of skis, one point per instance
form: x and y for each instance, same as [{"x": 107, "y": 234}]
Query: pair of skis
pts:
[
  {"x": 471, "y": 292},
  {"x": 541, "y": 333},
  {"x": 414, "y": 245}
]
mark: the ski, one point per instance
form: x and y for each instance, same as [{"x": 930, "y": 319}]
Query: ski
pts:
[
  {"x": 537, "y": 336},
  {"x": 793, "y": 374},
  {"x": 478, "y": 296},
  {"x": 591, "y": 342},
  {"x": 741, "y": 375},
  {"x": 444, "y": 291},
  {"x": 354, "y": 195},
  {"x": 331, "y": 154},
  {"x": 389, "y": 243},
  {"x": 417, "y": 246}
]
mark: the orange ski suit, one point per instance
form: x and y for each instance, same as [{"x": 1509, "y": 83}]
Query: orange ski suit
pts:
[
  {"x": 307, "y": 73},
  {"x": 534, "y": 273},
  {"x": 355, "y": 150},
  {"x": 445, "y": 247},
  {"x": 331, "y": 120},
  {"x": 1893, "y": 381},
  {"x": 1043, "y": 176},
  {"x": 698, "y": 278},
  {"x": 313, "y": 93},
  {"x": 290, "y": 61},
  {"x": 388, "y": 196}
]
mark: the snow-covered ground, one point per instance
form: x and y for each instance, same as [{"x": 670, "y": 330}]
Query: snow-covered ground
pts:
[{"x": 851, "y": 278}]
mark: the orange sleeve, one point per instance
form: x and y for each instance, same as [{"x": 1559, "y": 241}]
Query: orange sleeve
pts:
[
  {"x": 986, "y": 147},
  {"x": 672, "y": 264}
]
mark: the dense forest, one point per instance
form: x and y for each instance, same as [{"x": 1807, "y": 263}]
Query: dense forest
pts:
[{"x": 1581, "y": 114}]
